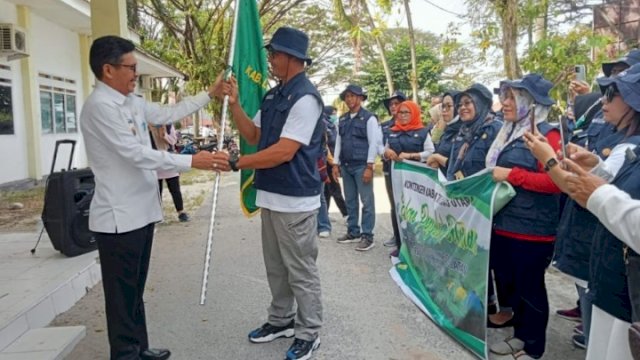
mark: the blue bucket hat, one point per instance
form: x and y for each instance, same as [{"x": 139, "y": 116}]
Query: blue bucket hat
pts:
[
  {"x": 355, "y": 89},
  {"x": 628, "y": 85},
  {"x": 396, "y": 95},
  {"x": 632, "y": 58},
  {"x": 290, "y": 41},
  {"x": 537, "y": 86}
]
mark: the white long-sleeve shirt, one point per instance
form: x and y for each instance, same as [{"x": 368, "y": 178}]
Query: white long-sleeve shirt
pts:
[
  {"x": 372, "y": 138},
  {"x": 618, "y": 212},
  {"x": 119, "y": 151}
]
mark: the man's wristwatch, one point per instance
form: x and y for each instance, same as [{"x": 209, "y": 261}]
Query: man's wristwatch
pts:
[
  {"x": 234, "y": 156},
  {"x": 232, "y": 164},
  {"x": 550, "y": 164}
]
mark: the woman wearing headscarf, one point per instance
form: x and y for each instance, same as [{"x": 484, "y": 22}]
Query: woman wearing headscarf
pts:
[
  {"x": 476, "y": 133},
  {"x": 407, "y": 140},
  {"x": 448, "y": 128},
  {"x": 614, "y": 283},
  {"x": 524, "y": 230}
]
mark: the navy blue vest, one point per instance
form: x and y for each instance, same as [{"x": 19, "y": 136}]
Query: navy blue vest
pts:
[
  {"x": 474, "y": 159},
  {"x": 298, "y": 177},
  {"x": 608, "y": 284},
  {"x": 408, "y": 141},
  {"x": 529, "y": 212},
  {"x": 577, "y": 224},
  {"x": 385, "y": 128},
  {"x": 354, "y": 146}
]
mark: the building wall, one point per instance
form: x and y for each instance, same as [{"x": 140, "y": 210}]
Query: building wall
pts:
[{"x": 55, "y": 51}]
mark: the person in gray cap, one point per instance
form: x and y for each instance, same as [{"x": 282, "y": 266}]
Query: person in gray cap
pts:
[
  {"x": 356, "y": 152},
  {"x": 288, "y": 131}
]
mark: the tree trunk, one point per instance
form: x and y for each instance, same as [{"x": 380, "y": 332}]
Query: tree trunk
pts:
[
  {"x": 414, "y": 66},
  {"x": 383, "y": 58},
  {"x": 542, "y": 21},
  {"x": 508, "y": 11}
]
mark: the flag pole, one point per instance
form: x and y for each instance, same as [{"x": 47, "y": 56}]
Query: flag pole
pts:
[{"x": 216, "y": 187}]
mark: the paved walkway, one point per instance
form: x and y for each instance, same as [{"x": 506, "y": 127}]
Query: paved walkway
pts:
[{"x": 366, "y": 314}]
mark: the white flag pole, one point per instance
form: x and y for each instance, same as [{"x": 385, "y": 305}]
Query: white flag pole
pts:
[{"x": 223, "y": 125}]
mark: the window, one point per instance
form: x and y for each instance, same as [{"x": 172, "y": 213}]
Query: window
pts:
[
  {"x": 57, "y": 105},
  {"x": 6, "y": 103}
]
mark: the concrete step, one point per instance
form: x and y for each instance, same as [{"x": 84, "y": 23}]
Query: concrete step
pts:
[
  {"x": 53, "y": 343},
  {"x": 36, "y": 288}
]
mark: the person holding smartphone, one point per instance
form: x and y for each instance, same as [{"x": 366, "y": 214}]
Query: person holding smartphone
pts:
[{"x": 525, "y": 229}]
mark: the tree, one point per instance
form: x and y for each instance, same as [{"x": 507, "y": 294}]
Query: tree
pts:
[
  {"x": 429, "y": 69},
  {"x": 412, "y": 42}
]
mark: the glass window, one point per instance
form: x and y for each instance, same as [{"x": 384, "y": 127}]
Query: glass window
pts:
[
  {"x": 46, "y": 112},
  {"x": 71, "y": 114},
  {"x": 6, "y": 111},
  {"x": 58, "y": 111}
]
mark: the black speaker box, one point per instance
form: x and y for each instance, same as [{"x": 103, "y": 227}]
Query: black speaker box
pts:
[{"x": 65, "y": 215}]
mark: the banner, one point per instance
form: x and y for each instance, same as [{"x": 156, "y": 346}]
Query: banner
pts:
[
  {"x": 250, "y": 69},
  {"x": 444, "y": 260}
]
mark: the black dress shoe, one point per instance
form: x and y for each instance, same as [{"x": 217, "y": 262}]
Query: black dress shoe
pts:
[{"x": 155, "y": 354}]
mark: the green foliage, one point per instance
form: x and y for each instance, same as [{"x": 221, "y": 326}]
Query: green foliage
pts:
[
  {"x": 556, "y": 56},
  {"x": 399, "y": 58}
]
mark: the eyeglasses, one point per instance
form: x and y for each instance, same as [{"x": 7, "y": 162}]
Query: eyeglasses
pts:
[
  {"x": 447, "y": 106},
  {"x": 130, "y": 67},
  {"x": 404, "y": 112},
  {"x": 466, "y": 104},
  {"x": 610, "y": 93},
  {"x": 271, "y": 53}
]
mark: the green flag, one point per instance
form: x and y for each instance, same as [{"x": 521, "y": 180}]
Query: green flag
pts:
[{"x": 250, "y": 68}]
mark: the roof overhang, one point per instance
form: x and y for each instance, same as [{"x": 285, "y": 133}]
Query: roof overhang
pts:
[
  {"x": 151, "y": 66},
  {"x": 70, "y": 14}
]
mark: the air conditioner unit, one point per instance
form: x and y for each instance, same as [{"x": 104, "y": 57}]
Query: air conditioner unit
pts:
[{"x": 13, "y": 42}]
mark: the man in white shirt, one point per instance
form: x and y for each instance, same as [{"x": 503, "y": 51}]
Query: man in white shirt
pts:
[
  {"x": 126, "y": 202},
  {"x": 288, "y": 131},
  {"x": 356, "y": 150}
]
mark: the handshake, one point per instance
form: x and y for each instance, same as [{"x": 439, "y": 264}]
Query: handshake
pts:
[{"x": 217, "y": 161}]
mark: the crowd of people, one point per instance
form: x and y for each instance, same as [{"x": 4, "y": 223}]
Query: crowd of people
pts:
[{"x": 562, "y": 212}]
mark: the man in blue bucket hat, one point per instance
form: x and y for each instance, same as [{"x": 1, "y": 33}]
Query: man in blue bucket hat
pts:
[
  {"x": 288, "y": 131},
  {"x": 356, "y": 150}
]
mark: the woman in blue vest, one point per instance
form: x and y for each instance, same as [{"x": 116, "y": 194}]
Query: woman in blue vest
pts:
[
  {"x": 524, "y": 230},
  {"x": 609, "y": 284},
  {"x": 408, "y": 139},
  {"x": 477, "y": 131},
  {"x": 452, "y": 124}
]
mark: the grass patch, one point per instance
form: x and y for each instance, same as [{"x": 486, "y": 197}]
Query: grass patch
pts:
[
  {"x": 24, "y": 219},
  {"x": 195, "y": 176}
]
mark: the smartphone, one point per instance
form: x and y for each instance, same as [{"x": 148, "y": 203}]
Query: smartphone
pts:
[
  {"x": 532, "y": 118},
  {"x": 563, "y": 144},
  {"x": 581, "y": 73}
]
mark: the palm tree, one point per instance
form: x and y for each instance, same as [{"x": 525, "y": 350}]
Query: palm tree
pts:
[{"x": 352, "y": 24}]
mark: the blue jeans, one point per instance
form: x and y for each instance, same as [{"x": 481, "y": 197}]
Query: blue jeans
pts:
[
  {"x": 324, "y": 224},
  {"x": 585, "y": 310},
  {"x": 354, "y": 187}
]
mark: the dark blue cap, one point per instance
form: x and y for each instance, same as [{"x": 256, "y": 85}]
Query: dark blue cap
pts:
[
  {"x": 632, "y": 58},
  {"x": 537, "y": 86},
  {"x": 628, "y": 85},
  {"x": 290, "y": 41},
  {"x": 396, "y": 95},
  {"x": 355, "y": 89},
  {"x": 328, "y": 110}
]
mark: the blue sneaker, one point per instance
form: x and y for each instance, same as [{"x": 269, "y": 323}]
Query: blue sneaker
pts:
[
  {"x": 302, "y": 349},
  {"x": 267, "y": 332}
]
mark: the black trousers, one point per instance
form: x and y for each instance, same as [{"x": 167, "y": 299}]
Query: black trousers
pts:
[
  {"x": 523, "y": 264},
  {"x": 174, "y": 188},
  {"x": 332, "y": 189},
  {"x": 124, "y": 260},
  {"x": 394, "y": 221}
]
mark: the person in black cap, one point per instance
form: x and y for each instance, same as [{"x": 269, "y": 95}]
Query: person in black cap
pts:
[
  {"x": 332, "y": 189},
  {"x": 391, "y": 103},
  {"x": 613, "y": 286},
  {"x": 524, "y": 230},
  {"x": 288, "y": 131},
  {"x": 477, "y": 131},
  {"x": 356, "y": 150}
]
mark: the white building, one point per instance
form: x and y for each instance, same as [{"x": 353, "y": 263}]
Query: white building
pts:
[{"x": 45, "y": 77}]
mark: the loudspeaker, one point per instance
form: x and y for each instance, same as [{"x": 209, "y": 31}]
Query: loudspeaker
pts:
[{"x": 65, "y": 215}]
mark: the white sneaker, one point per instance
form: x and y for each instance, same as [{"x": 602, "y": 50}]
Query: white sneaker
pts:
[{"x": 324, "y": 234}]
